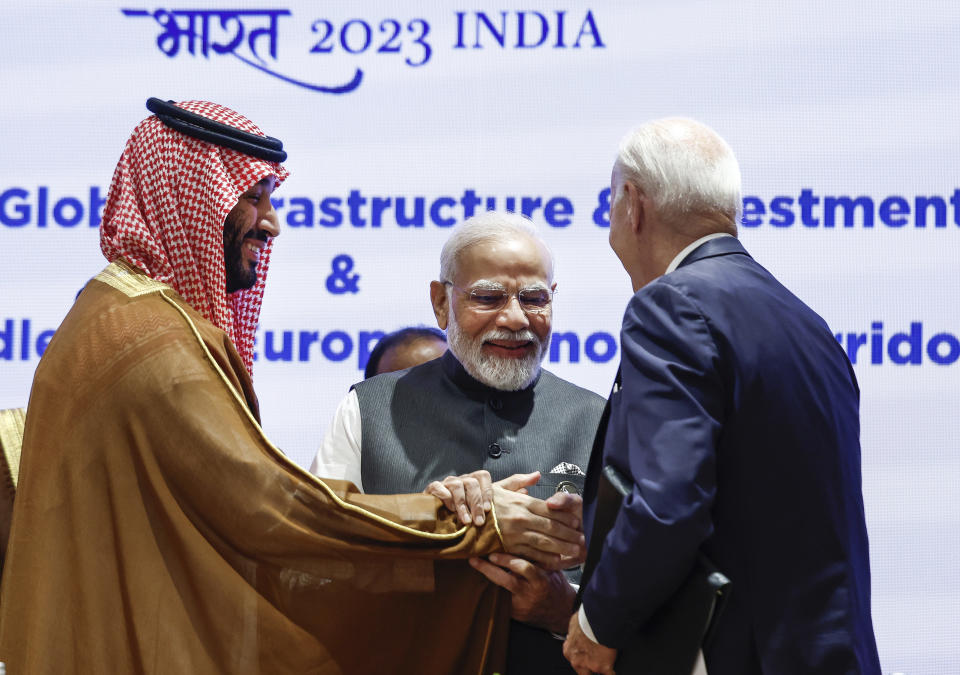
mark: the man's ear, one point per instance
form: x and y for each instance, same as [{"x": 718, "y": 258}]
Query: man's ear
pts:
[
  {"x": 636, "y": 207},
  {"x": 438, "y": 298}
]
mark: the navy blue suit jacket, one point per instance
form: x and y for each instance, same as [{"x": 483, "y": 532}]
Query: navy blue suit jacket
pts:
[{"x": 738, "y": 422}]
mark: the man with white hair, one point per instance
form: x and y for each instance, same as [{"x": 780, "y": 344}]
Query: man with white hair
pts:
[
  {"x": 735, "y": 417},
  {"x": 485, "y": 405}
]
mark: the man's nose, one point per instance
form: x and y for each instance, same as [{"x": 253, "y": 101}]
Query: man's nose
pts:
[
  {"x": 512, "y": 316},
  {"x": 270, "y": 223}
]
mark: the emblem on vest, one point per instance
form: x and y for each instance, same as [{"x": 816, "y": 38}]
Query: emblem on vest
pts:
[{"x": 567, "y": 469}]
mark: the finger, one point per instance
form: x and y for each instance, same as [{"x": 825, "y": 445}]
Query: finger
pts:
[
  {"x": 438, "y": 490},
  {"x": 602, "y": 667},
  {"x": 572, "y": 519},
  {"x": 550, "y": 518},
  {"x": 521, "y": 568},
  {"x": 455, "y": 485},
  {"x": 501, "y": 559},
  {"x": 587, "y": 662},
  {"x": 554, "y": 529},
  {"x": 577, "y": 662},
  {"x": 565, "y": 501},
  {"x": 569, "y": 561},
  {"x": 543, "y": 509},
  {"x": 597, "y": 658},
  {"x": 548, "y": 561},
  {"x": 519, "y": 480},
  {"x": 550, "y": 543},
  {"x": 560, "y": 500},
  {"x": 575, "y": 657},
  {"x": 516, "y": 565},
  {"x": 486, "y": 487},
  {"x": 497, "y": 575},
  {"x": 474, "y": 499}
]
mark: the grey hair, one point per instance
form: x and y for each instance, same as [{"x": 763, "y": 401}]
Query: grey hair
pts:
[
  {"x": 487, "y": 226},
  {"x": 684, "y": 167}
]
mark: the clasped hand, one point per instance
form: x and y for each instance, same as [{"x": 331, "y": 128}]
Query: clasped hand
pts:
[{"x": 546, "y": 532}]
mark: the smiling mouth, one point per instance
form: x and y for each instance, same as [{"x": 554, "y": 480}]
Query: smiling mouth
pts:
[
  {"x": 254, "y": 245},
  {"x": 509, "y": 347}
]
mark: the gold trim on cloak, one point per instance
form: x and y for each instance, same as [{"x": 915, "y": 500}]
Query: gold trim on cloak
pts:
[
  {"x": 133, "y": 283},
  {"x": 129, "y": 281},
  {"x": 11, "y": 439}
]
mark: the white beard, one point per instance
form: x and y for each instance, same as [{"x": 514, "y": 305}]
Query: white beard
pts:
[{"x": 500, "y": 373}]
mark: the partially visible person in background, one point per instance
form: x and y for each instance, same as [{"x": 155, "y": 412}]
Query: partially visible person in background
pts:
[{"x": 404, "y": 349}]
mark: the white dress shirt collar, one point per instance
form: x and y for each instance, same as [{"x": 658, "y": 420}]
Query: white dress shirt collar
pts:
[{"x": 681, "y": 256}]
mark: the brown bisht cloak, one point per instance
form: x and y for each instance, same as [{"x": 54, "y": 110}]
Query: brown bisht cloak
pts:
[{"x": 156, "y": 529}]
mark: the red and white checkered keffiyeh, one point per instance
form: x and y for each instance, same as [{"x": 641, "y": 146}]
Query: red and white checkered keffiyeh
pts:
[{"x": 165, "y": 212}]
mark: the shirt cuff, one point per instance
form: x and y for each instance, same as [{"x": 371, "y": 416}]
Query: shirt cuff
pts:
[{"x": 585, "y": 625}]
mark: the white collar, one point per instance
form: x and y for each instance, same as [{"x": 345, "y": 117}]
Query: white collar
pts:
[{"x": 681, "y": 256}]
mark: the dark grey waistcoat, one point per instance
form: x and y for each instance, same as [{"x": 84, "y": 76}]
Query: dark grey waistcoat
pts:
[{"x": 435, "y": 420}]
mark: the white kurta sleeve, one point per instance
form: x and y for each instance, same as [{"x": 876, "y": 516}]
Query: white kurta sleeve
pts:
[{"x": 339, "y": 453}]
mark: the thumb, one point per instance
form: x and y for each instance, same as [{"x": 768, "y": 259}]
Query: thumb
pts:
[
  {"x": 564, "y": 501},
  {"x": 519, "y": 480}
]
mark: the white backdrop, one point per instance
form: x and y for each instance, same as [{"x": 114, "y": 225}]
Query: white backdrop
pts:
[{"x": 843, "y": 116}]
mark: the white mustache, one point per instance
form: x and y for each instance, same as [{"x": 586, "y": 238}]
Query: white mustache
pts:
[{"x": 524, "y": 335}]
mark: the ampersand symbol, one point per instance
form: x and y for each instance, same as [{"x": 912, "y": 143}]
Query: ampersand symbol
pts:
[
  {"x": 340, "y": 280},
  {"x": 601, "y": 214}
]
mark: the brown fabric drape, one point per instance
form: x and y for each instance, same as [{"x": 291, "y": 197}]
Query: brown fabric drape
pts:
[{"x": 156, "y": 530}]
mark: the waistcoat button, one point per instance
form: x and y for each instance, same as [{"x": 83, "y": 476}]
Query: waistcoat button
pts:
[{"x": 494, "y": 450}]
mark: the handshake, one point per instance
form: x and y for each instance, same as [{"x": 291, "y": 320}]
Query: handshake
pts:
[{"x": 548, "y": 532}]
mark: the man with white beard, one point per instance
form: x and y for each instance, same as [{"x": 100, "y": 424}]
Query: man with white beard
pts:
[{"x": 484, "y": 407}]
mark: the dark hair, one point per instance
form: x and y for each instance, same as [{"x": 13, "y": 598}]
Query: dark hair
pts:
[{"x": 401, "y": 337}]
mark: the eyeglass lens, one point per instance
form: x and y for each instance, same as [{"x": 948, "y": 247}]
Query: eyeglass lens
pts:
[{"x": 532, "y": 300}]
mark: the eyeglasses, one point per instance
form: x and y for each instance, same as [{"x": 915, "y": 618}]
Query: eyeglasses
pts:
[{"x": 532, "y": 300}]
